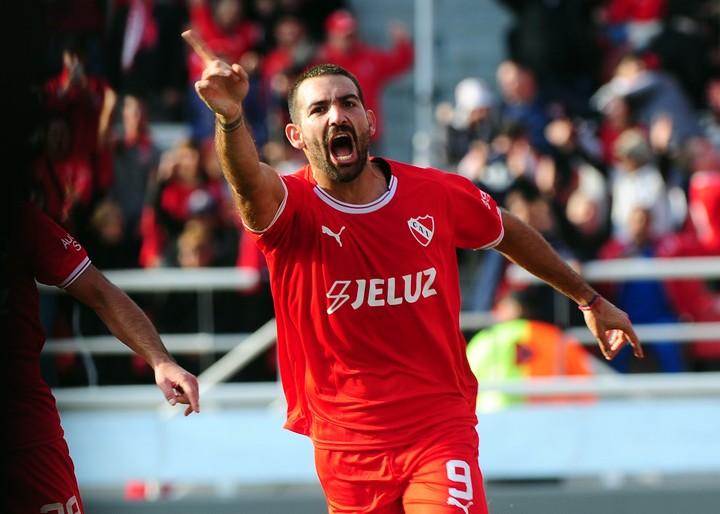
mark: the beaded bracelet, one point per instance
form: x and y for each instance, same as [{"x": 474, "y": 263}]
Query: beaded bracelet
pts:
[
  {"x": 588, "y": 306},
  {"x": 232, "y": 126}
]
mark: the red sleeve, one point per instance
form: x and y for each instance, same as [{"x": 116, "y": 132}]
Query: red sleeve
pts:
[
  {"x": 59, "y": 258},
  {"x": 476, "y": 216}
]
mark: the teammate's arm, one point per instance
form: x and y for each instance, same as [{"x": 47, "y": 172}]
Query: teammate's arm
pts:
[
  {"x": 524, "y": 246},
  {"x": 129, "y": 324},
  {"x": 256, "y": 187}
]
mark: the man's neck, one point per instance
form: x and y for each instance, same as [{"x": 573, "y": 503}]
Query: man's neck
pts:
[{"x": 372, "y": 183}]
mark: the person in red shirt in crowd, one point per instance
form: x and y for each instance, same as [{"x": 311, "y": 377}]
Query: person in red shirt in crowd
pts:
[
  {"x": 182, "y": 192},
  {"x": 374, "y": 67},
  {"x": 88, "y": 102},
  {"x": 696, "y": 300},
  {"x": 36, "y": 470},
  {"x": 223, "y": 24},
  {"x": 362, "y": 259},
  {"x": 62, "y": 180},
  {"x": 279, "y": 67}
]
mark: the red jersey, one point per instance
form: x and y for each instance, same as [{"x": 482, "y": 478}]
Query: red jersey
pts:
[
  {"x": 83, "y": 108},
  {"x": 367, "y": 301},
  {"x": 38, "y": 250}
]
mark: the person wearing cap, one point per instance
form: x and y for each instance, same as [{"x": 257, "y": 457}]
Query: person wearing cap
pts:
[
  {"x": 474, "y": 117},
  {"x": 636, "y": 181},
  {"x": 374, "y": 67},
  {"x": 361, "y": 254}
]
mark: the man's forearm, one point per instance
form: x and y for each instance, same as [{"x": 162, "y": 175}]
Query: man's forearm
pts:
[
  {"x": 121, "y": 315},
  {"x": 237, "y": 153},
  {"x": 256, "y": 186},
  {"x": 524, "y": 246}
]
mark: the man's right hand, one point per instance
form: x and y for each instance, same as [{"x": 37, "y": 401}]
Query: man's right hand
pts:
[{"x": 222, "y": 87}]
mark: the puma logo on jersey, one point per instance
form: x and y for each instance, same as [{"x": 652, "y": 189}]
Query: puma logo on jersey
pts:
[
  {"x": 378, "y": 292},
  {"x": 330, "y": 233},
  {"x": 456, "y": 503},
  {"x": 422, "y": 228}
]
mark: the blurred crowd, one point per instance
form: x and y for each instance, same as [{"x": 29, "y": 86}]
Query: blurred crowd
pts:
[
  {"x": 118, "y": 68},
  {"x": 601, "y": 128}
]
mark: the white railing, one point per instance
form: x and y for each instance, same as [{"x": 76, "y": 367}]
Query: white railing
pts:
[{"x": 243, "y": 348}]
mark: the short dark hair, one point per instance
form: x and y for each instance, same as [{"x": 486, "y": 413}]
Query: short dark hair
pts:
[{"x": 319, "y": 70}]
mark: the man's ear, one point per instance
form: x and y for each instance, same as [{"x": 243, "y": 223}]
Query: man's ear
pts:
[
  {"x": 292, "y": 132},
  {"x": 372, "y": 121}
]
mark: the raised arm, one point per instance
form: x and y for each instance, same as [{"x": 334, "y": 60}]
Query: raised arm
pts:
[
  {"x": 129, "y": 324},
  {"x": 257, "y": 188},
  {"x": 524, "y": 246}
]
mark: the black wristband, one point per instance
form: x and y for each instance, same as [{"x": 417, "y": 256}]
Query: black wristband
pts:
[{"x": 232, "y": 126}]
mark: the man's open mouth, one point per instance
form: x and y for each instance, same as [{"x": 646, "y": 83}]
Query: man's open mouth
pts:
[{"x": 342, "y": 148}]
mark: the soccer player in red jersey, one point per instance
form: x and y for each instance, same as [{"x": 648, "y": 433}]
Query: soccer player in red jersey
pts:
[
  {"x": 36, "y": 470},
  {"x": 361, "y": 254}
]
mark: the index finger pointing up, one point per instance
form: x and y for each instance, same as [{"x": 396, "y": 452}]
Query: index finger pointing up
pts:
[{"x": 197, "y": 43}]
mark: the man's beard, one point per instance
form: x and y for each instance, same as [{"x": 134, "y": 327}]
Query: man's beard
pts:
[{"x": 319, "y": 156}]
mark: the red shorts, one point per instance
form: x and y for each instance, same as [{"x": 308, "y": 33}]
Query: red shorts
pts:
[
  {"x": 39, "y": 480},
  {"x": 440, "y": 474}
]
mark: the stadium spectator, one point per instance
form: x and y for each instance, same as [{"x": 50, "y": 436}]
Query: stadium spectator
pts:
[
  {"x": 313, "y": 13},
  {"x": 615, "y": 118},
  {"x": 293, "y": 51},
  {"x": 135, "y": 160},
  {"x": 62, "y": 180},
  {"x": 473, "y": 117},
  {"x": 637, "y": 182},
  {"x": 523, "y": 101},
  {"x": 374, "y": 67},
  {"x": 88, "y": 103},
  {"x": 575, "y": 148},
  {"x": 107, "y": 244},
  {"x": 496, "y": 167},
  {"x": 587, "y": 211},
  {"x": 519, "y": 346},
  {"x": 146, "y": 57},
  {"x": 645, "y": 301},
  {"x": 234, "y": 36},
  {"x": 697, "y": 300},
  {"x": 182, "y": 192},
  {"x": 650, "y": 92}
]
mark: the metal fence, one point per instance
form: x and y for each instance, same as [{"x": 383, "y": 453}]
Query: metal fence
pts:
[{"x": 240, "y": 349}]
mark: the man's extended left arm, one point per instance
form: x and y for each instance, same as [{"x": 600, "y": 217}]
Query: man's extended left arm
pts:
[{"x": 524, "y": 246}]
